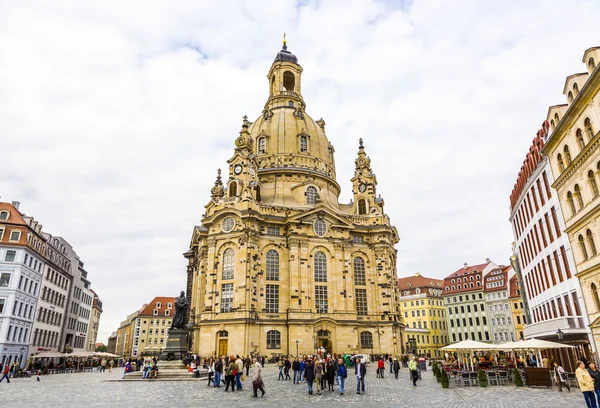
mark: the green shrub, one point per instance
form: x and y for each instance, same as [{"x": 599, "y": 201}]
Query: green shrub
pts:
[
  {"x": 518, "y": 378},
  {"x": 482, "y": 378},
  {"x": 445, "y": 380}
]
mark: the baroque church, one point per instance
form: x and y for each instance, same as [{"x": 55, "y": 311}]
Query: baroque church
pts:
[{"x": 278, "y": 266}]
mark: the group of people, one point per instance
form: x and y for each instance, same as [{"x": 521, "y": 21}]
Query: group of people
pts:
[{"x": 588, "y": 377}]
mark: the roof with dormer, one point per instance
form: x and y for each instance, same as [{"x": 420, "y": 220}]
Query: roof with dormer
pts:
[{"x": 149, "y": 309}]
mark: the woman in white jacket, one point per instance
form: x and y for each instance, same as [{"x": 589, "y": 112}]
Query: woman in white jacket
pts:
[{"x": 257, "y": 381}]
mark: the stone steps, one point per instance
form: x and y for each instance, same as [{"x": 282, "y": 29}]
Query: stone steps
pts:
[{"x": 167, "y": 374}]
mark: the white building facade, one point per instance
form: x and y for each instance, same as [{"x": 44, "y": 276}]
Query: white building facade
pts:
[{"x": 496, "y": 292}]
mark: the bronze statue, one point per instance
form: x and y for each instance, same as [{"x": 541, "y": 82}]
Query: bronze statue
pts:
[{"x": 181, "y": 311}]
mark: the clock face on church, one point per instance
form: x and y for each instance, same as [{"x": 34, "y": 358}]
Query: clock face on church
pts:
[
  {"x": 237, "y": 169},
  {"x": 362, "y": 187}
]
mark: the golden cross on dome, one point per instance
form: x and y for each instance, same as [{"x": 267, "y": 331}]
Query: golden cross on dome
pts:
[{"x": 284, "y": 40}]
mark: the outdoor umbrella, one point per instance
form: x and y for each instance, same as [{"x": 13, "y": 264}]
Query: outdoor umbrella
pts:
[{"x": 471, "y": 346}]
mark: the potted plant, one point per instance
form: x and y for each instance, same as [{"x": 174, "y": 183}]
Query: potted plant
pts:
[
  {"x": 518, "y": 378},
  {"x": 445, "y": 380},
  {"x": 482, "y": 378}
]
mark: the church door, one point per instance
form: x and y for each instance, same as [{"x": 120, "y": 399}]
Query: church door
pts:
[{"x": 222, "y": 347}]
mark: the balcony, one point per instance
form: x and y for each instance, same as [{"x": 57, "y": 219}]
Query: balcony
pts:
[{"x": 550, "y": 327}]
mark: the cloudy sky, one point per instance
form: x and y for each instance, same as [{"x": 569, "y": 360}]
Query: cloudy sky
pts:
[{"x": 115, "y": 116}]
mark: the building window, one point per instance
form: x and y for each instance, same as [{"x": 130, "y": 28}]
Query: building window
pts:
[
  {"x": 593, "y": 184},
  {"x": 167, "y": 312},
  {"x": 577, "y": 194},
  {"x": 228, "y": 224},
  {"x": 362, "y": 207},
  {"x": 262, "y": 145},
  {"x": 589, "y": 130},
  {"x": 226, "y": 297},
  {"x": 359, "y": 271},
  {"x": 571, "y": 203},
  {"x": 169, "y": 305},
  {"x": 311, "y": 195},
  {"x": 580, "y": 141},
  {"x": 358, "y": 239},
  {"x": 228, "y": 264},
  {"x": 567, "y": 155},
  {"x": 570, "y": 97},
  {"x": 232, "y": 189},
  {"x": 320, "y": 227},
  {"x": 321, "y": 304},
  {"x": 155, "y": 312},
  {"x": 4, "y": 280},
  {"x": 584, "y": 253},
  {"x": 591, "y": 243},
  {"x": 10, "y": 256},
  {"x": 272, "y": 299},
  {"x": 591, "y": 64},
  {"x": 4, "y": 215},
  {"x": 320, "y": 267},
  {"x": 158, "y": 305},
  {"x": 273, "y": 231},
  {"x": 366, "y": 340},
  {"x": 273, "y": 265},
  {"x": 361, "y": 301},
  {"x": 303, "y": 144},
  {"x": 576, "y": 89},
  {"x": 15, "y": 235},
  {"x": 560, "y": 163},
  {"x": 594, "y": 290},
  {"x": 273, "y": 339}
]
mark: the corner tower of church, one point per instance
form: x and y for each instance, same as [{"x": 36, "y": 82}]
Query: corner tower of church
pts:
[{"x": 277, "y": 262}]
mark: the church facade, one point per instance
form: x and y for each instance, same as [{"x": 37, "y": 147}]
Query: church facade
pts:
[{"x": 278, "y": 266}]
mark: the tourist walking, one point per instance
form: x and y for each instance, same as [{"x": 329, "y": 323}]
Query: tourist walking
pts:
[
  {"x": 211, "y": 372},
  {"x": 412, "y": 366},
  {"x": 286, "y": 369},
  {"x": 111, "y": 363},
  {"x": 595, "y": 374},
  {"x": 257, "y": 381},
  {"x": 247, "y": 363},
  {"x": 239, "y": 368},
  {"x": 330, "y": 374},
  {"x": 296, "y": 368},
  {"x": 280, "y": 365},
  {"x": 103, "y": 365},
  {"x": 230, "y": 375},
  {"x": 396, "y": 367},
  {"x": 319, "y": 375},
  {"x": 361, "y": 372},
  {"x": 5, "y": 374},
  {"x": 380, "y": 367},
  {"x": 391, "y": 362},
  {"x": 309, "y": 375},
  {"x": 560, "y": 376},
  {"x": 342, "y": 373},
  {"x": 586, "y": 385},
  {"x": 218, "y": 372},
  {"x": 302, "y": 367}
]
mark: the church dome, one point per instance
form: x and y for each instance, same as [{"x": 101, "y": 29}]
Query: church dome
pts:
[{"x": 285, "y": 55}]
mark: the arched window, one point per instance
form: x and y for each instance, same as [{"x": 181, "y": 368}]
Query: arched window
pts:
[
  {"x": 584, "y": 253},
  {"x": 366, "y": 340},
  {"x": 589, "y": 130},
  {"x": 228, "y": 264},
  {"x": 272, "y": 84},
  {"x": 362, "y": 207},
  {"x": 303, "y": 144},
  {"x": 311, "y": 195},
  {"x": 576, "y": 89},
  {"x": 571, "y": 203},
  {"x": 577, "y": 194},
  {"x": 320, "y": 267},
  {"x": 233, "y": 189},
  {"x": 289, "y": 81},
  {"x": 262, "y": 145},
  {"x": 594, "y": 290},
  {"x": 567, "y": 155},
  {"x": 593, "y": 184},
  {"x": 272, "y": 265},
  {"x": 561, "y": 164},
  {"x": 579, "y": 137},
  {"x": 590, "y": 239},
  {"x": 258, "y": 197},
  {"x": 273, "y": 339},
  {"x": 552, "y": 124},
  {"x": 591, "y": 64},
  {"x": 359, "y": 271},
  {"x": 223, "y": 333},
  {"x": 570, "y": 97},
  {"x": 556, "y": 118}
]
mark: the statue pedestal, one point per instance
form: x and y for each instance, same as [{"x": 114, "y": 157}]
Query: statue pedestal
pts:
[{"x": 177, "y": 344}]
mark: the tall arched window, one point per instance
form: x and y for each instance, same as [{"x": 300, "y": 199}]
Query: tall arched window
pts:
[
  {"x": 272, "y": 265},
  {"x": 577, "y": 194},
  {"x": 228, "y": 264},
  {"x": 593, "y": 184},
  {"x": 272, "y": 84},
  {"x": 556, "y": 118},
  {"x": 561, "y": 164},
  {"x": 289, "y": 81},
  {"x": 590, "y": 239},
  {"x": 366, "y": 340},
  {"x": 233, "y": 189},
  {"x": 320, "y": 267},
  {"x": 258, "y": 197},
  {"x": 584, "y": 252},
  {"x": 362, "y": 207},
  {"x": 570, "y": 97},
  {"x": 589, "y": 130},
  {"x": 552, "y": 124},
  {"x": 311, "y": 195},
  {"x": 576, "y": 89},
  {"x": 594, "y": 290},
  {"x": 273, "y": 339},
  {"x": 262, "y": 145},
  {"x": 591, "y": 64},
  {"x": 567, "y": 155},
  {"x": 359, "y": 271},
  {"x": 303, "y": 144},
  {"x": 579, "y": 137},
  {"x": 571, "y": 203}
]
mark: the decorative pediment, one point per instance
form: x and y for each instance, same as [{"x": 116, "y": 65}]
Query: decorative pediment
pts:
[{"x": 321, "y": 211}]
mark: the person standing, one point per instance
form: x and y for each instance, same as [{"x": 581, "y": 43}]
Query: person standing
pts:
[
  {"x": 296, "y": 368},
  {"x": 342, "y": 373},
  {"x": 247, "y": 363},
  {"x": 560, "y": 377},
  {"x": 111, "y": 363},
  {"x": 286, "y": 369},
  {"x": 330, "y": 373},
  {"x": 230, "y": 374},
  {"x": 309, "y": 375},
  {"x": 545, "y": 362},
  {"x": 103, "y": 365},
  {"x": 396, "y": 367},
  {"x": 361, "y": 372},
  {"x": 280, "y": 367},
  {"x": 5, "y": 374},
  {"x": 391, "y": 362},
  {"x": 239, "y": 368},
  {"x": 211, "y": 371},
  {"x": 302, "y": 367},
  {"x": 412, "y": 366},
  {"x": 595, "y": 374},
  {"x": 380, "y": 367},
  {"x": 218, "y": 372},
  {"x": 257, "y": 381},
  {"x": 319, "y": 375},
  {"x": 586, "y": 385}
]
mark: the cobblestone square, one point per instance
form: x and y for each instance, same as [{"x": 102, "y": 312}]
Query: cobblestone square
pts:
[{"x": 104, "y": 390}]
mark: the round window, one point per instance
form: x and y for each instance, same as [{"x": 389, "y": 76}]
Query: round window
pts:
[
  {"x": 320, "y": 227},
  {"x": 228, "y": 224}
]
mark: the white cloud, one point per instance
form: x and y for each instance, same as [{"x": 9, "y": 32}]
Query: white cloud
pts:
[{"x": 115, "y": 118}]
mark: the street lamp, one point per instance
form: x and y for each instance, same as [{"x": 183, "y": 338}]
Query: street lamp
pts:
[
  {"x": 297, "y": 342},
  {"x": 560, "y": 334}
]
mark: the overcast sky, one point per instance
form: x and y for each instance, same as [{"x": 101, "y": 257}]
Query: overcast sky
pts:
[{"x": 114, "y": 117}]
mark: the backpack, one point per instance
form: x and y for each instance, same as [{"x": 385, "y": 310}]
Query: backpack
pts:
[{"x": 234, "y": 370}]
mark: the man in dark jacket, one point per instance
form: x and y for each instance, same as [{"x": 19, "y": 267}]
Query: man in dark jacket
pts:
[
  {"x": 361, "y": 372},
  {"x": 595, "y": 374},
  {"x": 296, "y": 368},
  {"x": 309, "y": 375},
  {"x": 396, "y": 366}
]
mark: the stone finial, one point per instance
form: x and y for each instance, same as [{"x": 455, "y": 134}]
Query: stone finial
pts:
[
  {"x": 218, "y": 191},
  {"x": 245, "y": 122}
]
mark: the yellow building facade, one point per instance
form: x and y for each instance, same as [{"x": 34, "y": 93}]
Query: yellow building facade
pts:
[
  {"x": 516, "y": 306},
  {"x": 151, "y": 327},
  {"x": 573, "y": 149},
  {"x": 124, "y": 339},
  {"x": 422, "y": 308},
  {"x": 278, "y": 265}
]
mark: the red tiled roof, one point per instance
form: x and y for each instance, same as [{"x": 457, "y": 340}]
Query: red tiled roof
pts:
[
  {"x": 164, "y": 301},
  {"x": 467, "y": 272},
  {"x": 492, "y": 277},
  {"x": 410, "y": 283}
]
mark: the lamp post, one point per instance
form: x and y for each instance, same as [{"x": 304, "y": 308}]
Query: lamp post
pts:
[
  {"x": 21, "y": 360},
  {"x": 560, "y": 334},
  {"x": 297, "y": 343}
]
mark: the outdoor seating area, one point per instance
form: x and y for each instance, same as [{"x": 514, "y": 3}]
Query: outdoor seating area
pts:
[{"x": 68, "y": 363}]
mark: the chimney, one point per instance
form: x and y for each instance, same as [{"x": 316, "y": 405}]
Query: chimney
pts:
[
  {"x": 417, "y": 273},
  {"x": 16, "y": 204},
  {"x": 466, "y": 265},
  {"x": 487, "y": 260}
]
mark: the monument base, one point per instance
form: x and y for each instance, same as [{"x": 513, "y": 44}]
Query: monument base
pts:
[{"x": 177, "y": 343}]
